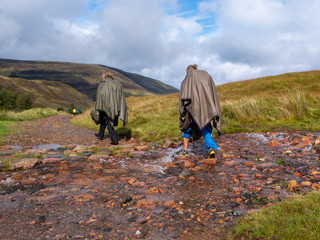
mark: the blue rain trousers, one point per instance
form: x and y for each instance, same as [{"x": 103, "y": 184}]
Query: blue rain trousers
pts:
[{"x": 206, "y": 133}]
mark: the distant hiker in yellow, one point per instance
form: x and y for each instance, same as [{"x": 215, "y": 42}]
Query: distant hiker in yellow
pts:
[
  {"x": 109, "y": 106},
  {"x": 198, "y": 106}
]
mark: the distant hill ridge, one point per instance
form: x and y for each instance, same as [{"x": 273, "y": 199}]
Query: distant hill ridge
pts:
[{"x": 84, "y": 78}]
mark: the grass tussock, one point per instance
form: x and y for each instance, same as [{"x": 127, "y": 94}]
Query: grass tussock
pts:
[
  {"x": 295, "y": 218},
  {"x": 295, "y": 105}
]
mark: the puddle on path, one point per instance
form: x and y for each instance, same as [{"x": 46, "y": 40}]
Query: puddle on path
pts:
[{"x": 47, "y": 146}]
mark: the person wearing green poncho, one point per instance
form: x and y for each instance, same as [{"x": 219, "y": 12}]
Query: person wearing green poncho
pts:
[{"x": 109, "y": 106}]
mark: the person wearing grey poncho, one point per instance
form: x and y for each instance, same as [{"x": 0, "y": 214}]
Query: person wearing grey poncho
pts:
[
  {"x": 198, "y": 106},
  {"x": 109, "y": 106}
]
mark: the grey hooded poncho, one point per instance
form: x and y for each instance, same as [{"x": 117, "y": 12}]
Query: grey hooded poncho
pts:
[
  {"x": 198, "y": 102},
  {"x": 111, "y": 100}
]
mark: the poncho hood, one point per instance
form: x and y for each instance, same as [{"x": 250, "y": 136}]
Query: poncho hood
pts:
[
  {"x": 198, "y": 100},
  {"x": 111, "y": 100}
]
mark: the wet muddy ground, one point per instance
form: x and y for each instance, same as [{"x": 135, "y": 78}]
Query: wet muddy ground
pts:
[{"x": 73, "y": 186}]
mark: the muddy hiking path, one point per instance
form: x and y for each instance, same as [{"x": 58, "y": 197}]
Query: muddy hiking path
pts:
[{"x": 66, "y": 184}]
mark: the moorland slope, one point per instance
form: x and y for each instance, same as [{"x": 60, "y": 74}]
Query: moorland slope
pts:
[{"x": 83, "y": 78}]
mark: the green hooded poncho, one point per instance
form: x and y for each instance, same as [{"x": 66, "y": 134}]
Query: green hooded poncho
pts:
[
  {"x": 199, "y": 102},
  {"x": 111, "y": 100}
]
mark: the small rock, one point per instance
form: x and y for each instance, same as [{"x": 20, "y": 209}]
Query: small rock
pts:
[
  {"x": 24, "y": 163},
  {"x": 51, "y": 160},
  {"x": 258, "y": 176},
  {"x": 242, "y": 175},
  {"x": 173, "y": 171},
  {"x": 153, "y": 190},
  {"x": 81, "y": 149},
  {"x": 292, "y": 185},
  {"x": 315, "y": 186},
  {"x": 125, "y": 199},
  {"x": 238, "y": 213},
  {"x": 146, "y": 203},
  {"x": 188, "y": 164},
  {"x": 227, "y": 156},
  {"x": 59, "y": 155},
  {"x": 248, "y": 164},
  {"x": 306, "y": 183},
  {"x": 98, "y": 157},
  {"x": 210, "y": 161},
  {"x": 142, "y": 148},
  {"x": 273, "y": 142},
  {"x": 154, "y": 145},
  {"x": 313, "y": 172},
  {"x": 170, "y": 165},
  {"x": 138, "y": 233},
  {"x": 168, "y": 144},
  {"x": 267, "y": 165}
]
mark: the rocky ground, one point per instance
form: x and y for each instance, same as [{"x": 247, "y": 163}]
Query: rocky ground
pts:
[{"x": 63, "y": 183}]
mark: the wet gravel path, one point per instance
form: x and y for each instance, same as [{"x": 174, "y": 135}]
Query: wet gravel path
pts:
[{"x": 83, "y": 188}]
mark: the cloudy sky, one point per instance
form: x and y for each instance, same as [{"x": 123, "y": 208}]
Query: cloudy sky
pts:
[{"x": 233, "y": 40}]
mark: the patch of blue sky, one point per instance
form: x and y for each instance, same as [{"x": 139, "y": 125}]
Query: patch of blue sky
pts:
[
  {"x": 97, "y": 5},
  {"x": 208, "y": 25},
  {"x": 91, "y": 7},
  {"x": 189, "y": 9}
]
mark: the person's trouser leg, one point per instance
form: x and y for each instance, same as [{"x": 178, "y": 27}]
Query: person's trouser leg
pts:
[
  {"x": 186, "y": 136},
  {"x": 112, "y": 133},
  {"x": 103, "y": 125},
  {"x": 206, "y": 133}
]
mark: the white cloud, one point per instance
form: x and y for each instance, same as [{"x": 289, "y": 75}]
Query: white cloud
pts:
[{"x": 233, "y": 40}]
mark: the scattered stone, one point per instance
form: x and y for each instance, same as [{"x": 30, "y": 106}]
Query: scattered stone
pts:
[
  {"x": 154, "y": 190},
  {"x": 81, "y": 149},
  {"x": 142, "y": 148},
  {"x": 210, "y": 161},
  {"x": 98, "y": 157},
  {"x": 231, "y": 163},
  {"x": 266, "y": 165},
  {"x": 188, "y": 164},
  {"x": 24, "y": 163},
  {"x": 173, "y": 171},
  {"x": 83, "y": 197},
  {"x": 168, "y": 144},
  {"x": 292, "y": 185},
  {"x": 86, "y": 153},
  {"x": 125, "y": 199},
  {"x": 273, "y": 142},
  {"x": 146, "y": 203},
  {"x": 314, "y": 172},
  {"x": 315, "y": 186},
  {"x": 51, "y": 160},
  {"x": 228, "y": 155},
  {"x": 59, "y": 155},
  {"x": 154, "y": 146},
  {"x": 306, "y": 183}
]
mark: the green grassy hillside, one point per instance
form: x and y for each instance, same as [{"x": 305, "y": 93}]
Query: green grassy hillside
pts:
[
  {"x": 83, "y": 77},
  {"x": 289, "y": 101},
  {"x": 47, "y": 94},
  {"x": 271, "y": 86}
]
